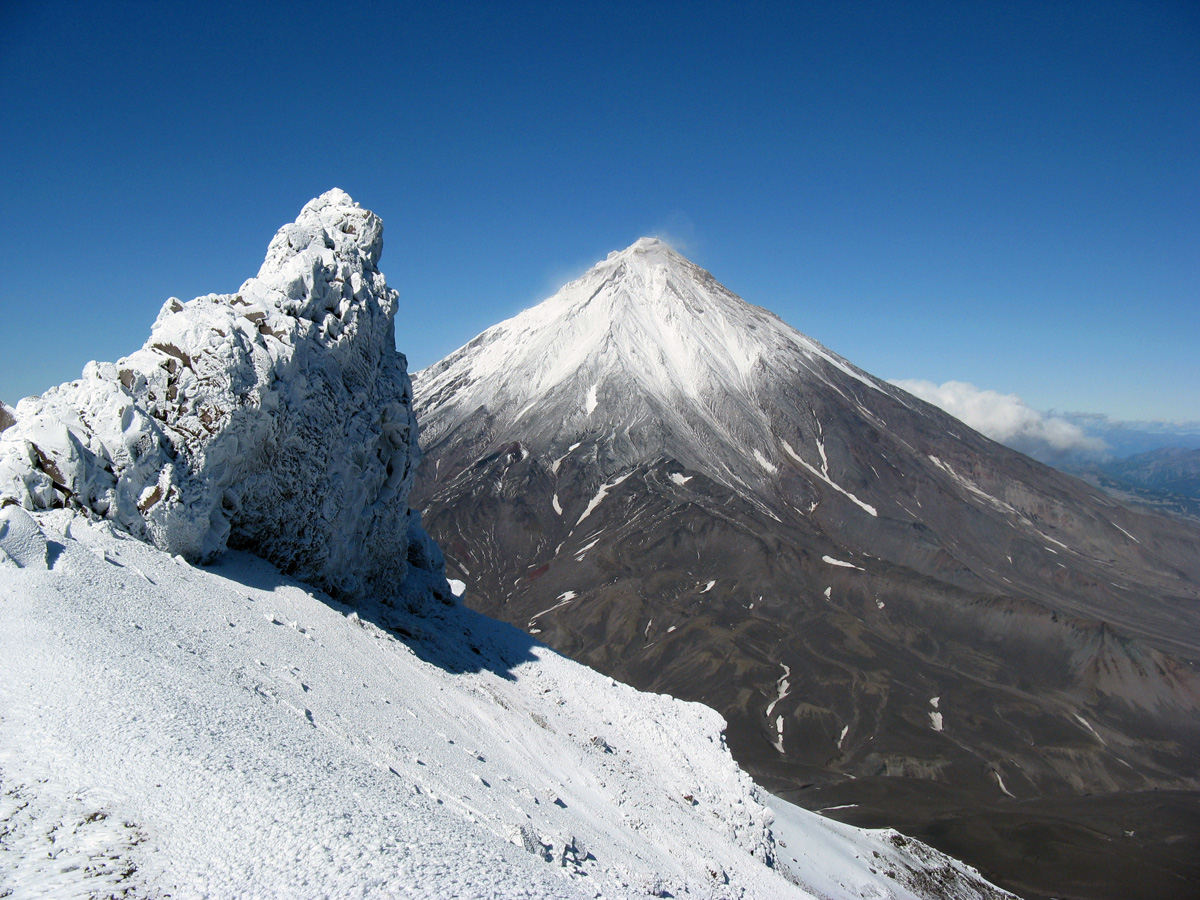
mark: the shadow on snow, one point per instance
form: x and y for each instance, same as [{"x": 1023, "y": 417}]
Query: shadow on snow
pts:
[{"x": 453, "y": 638}]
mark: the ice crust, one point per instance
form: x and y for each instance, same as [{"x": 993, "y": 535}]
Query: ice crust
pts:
[{"x": 278, "y": 418}]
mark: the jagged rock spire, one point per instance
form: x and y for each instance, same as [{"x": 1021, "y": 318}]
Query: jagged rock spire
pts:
[{"x": 278, "y": 418}]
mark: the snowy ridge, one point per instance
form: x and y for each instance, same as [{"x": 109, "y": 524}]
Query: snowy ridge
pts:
[
  {"x": 229, "y": 731},
  {"x": 279, "y": 418}
]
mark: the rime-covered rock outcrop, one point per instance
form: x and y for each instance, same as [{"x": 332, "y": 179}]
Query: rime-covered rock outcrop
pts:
[{"x": 278, "y": 418}]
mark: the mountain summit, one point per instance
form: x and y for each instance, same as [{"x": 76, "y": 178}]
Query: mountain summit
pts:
[
  {"x": 652, "y": 345},
  {"x": 892, "y": 611}
]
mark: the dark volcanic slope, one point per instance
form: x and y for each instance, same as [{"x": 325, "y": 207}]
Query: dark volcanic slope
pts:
[{"x": 677, "y": 488}]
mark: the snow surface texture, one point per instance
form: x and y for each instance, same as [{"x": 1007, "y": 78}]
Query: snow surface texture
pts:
[
  {"x": 231, "y": 732},
  {"x": 279, "y": 417}
]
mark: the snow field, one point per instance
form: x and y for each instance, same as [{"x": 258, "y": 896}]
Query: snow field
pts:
[{"x": 260, "y": 739}]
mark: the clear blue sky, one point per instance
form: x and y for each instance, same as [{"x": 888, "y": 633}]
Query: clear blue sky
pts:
[{"x": 1001, "y": 193}]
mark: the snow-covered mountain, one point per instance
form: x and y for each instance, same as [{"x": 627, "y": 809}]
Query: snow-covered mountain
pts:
[
  {"x": 230, "y": 730},
  {"x": 649, "y": 344},
  {"x": 896, "y": 615}
]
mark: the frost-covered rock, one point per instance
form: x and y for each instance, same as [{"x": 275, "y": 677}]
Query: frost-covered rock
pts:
[{"x": 278, "y": 418}]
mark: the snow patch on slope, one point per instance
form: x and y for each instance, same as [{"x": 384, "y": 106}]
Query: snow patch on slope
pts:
[
  {"x": 764, "y": 462},
  {"x": 601, "y": 493},
  {"x": 842, "y": 563},
  {"x": 782, "y": 689},
  {"x": 824, "y": 476}
]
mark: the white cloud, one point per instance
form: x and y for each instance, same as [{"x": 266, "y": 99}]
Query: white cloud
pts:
[{"x": 1006, "y": 418}]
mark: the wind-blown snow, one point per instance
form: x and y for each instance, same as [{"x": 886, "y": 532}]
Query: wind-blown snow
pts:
[{"x": 278, "y": 417}]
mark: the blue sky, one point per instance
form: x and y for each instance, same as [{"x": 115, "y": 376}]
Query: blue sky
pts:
[{"x": 1006, "y": 194}]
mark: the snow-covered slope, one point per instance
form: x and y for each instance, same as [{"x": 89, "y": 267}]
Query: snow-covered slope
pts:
[
  {"x": 647, "y": 344},
  {"x": 278, "y": 417},
  {"x": 231, "y": 732}
]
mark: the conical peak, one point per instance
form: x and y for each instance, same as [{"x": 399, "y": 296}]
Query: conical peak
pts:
[
  {"x": 645, "y": 339},
  {"x": 653, "y": 277},
  {"x": 648, "y": 269}
]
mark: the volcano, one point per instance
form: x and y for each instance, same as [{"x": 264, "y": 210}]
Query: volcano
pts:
[{"x": 899, "y": 618}]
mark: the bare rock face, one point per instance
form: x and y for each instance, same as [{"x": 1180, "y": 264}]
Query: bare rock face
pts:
[{"x": 278, "y": 419}]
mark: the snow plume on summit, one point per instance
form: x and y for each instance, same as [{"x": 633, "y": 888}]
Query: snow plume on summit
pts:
[{"x": 278, "y": 418}]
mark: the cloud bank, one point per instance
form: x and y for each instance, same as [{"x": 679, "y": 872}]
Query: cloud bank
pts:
[{"x": 1006, "y": 418}]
